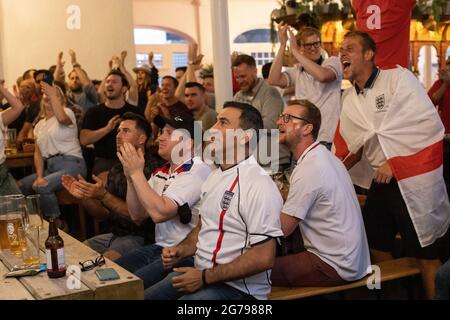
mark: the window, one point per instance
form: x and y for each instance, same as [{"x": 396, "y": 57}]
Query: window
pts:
[
  {"x": 262, "y": 58},
  {"x": 179, "y": 59},
  {"x": 255, "y": 36},
  {"x": 142, "y": 58},
  {"x": 146, "y": 36}
]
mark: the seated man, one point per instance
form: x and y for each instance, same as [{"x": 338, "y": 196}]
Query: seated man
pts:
[
  {"x": 108, "y": 201},
  {"x": 323, "y": 203},
  {"x": 234, "y": 243},
  {"x": 167, "y": 198}
]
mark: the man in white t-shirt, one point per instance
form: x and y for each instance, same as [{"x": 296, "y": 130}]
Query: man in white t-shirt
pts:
[
  {"x": 234, "y": 243},
  {"x": 170, "y": 198},
  {"x": 323, "y": 203},
  {"x": 8, "y": 185},
  {"x": 316, "y": 79}
]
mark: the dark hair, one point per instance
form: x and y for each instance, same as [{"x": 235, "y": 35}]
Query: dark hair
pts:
[
  {"x": 52, "y": 69},
  {"x": 184, "y": 69},
  {"x": 119, "y": 73},
  {"x": 250, "y": 116},
  {"x": 141, "y": 122},
  {"x": 312, "y": 115},
  {"x": 195, "y": 85},
  {"x": 96, "y": 82},
  {"x": 365, "y": 39},
  {"x": 246, "y": 59},
  {"x": 174, "y": 80},
  {"x": 266, "y": 70},
  {"x": 27, "y": 74}
]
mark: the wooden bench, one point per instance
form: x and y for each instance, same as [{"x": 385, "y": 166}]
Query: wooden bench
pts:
[{"x": 390, "y": 270}]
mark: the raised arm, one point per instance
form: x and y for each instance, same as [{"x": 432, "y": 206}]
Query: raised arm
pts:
[
  {"x": 195, "y": 63},
  {"x": 159, "y": 208},
  {"x": 57, "y": 106},
  {"x": 59, "y": 73},
  {"x": 15, "y": 109},
  {"x": 133, "y": 92},
  {"x": 84, "y": 78},
  {"x": 276, "y": 78},
  {"x": 321, "y": 74}
]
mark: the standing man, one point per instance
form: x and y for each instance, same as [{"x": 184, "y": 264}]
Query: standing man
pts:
[
  {"x": 234, "y": 243},
  {"x": 391, "y": 134},
  {"x": 323, "y": 203},
  {"x": 100, "y": 123},
  {"x": 316, "y": 79},
  {"x": 265, "y": 98},
  {"x": 195, "y": 99}
]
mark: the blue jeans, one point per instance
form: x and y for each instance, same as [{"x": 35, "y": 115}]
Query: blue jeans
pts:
[
  {"x": 109, "y": 241},
  {"x": 164, "y": 290},
  {"x": 443, "y": 282},
  {"x": 147, "y": 265},
  {"x": 56, "y": 168}
]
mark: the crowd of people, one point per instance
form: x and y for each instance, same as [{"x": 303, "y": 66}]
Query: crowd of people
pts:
[{"x": 196, "y": 228}]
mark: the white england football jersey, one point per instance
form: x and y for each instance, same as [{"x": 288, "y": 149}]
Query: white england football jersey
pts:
[
  {"x": 183, "y": 185},
  {"x": 240, "y": 208}
]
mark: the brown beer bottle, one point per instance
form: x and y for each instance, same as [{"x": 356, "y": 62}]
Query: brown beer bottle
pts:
[{"x": 54, "y": 247}]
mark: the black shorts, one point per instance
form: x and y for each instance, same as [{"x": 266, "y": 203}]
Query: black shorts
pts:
[{"x": 385, "y": 214}]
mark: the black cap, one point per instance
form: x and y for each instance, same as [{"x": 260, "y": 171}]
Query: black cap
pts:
[{"x": 179, "y": 121}]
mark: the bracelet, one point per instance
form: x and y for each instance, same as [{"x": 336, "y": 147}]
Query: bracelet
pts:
[{"x": 204, "y": 277}]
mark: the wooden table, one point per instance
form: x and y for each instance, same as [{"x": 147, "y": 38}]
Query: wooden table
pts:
[
  {"x": 41, "y": 287},
  {"x": 20, "y": 160}
]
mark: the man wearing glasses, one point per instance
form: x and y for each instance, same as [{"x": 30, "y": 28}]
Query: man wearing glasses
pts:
[
  {"x": 316, "y": 79},
  {"x": 323, "y": 203}
]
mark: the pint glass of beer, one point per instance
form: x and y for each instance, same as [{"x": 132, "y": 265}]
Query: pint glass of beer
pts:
[{"x": 12, "y": 213}]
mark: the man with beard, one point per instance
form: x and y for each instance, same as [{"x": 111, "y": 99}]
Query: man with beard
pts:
[
  {"x": 100, "y": 122},
  {"x": 323, "y": 203}
]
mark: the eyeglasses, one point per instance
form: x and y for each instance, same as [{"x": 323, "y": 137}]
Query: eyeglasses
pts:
[
  {"x": 287, "y": 117},
  {"x": 91, "y": 264},
  {"x": 311, "y": 45}
]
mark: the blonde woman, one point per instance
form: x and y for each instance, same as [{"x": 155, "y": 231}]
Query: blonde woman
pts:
[{"x": 57, "y": 150}]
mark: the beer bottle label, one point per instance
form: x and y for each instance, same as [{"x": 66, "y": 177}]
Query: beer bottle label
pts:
[{"x": 61, "y": 262}]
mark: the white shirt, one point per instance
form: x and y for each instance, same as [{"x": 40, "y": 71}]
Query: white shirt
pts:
[
  {"x": 252, "y": 217},
  {"x": 183, "y": 185},
  {"x": 322, "y": 196},
  {"x": 55, "y": 138},
  {"x": 325, "y": 96},
  {"x": 375, "y": 101},
  {"x": 2, "y": 141}
]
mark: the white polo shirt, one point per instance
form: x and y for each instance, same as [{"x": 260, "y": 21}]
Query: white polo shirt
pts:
[
  {"x": 2, "y": 141},
  {"x": 183, "y": 185},
  {"x": 322, "y": 196},
  {"x": 55, "y": 138},
  {"x": 253, "y": 216},
  {"x": 325, "y": 96}
]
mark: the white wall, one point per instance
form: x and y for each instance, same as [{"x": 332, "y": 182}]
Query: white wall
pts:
[{"x": 33, "y": 32}]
